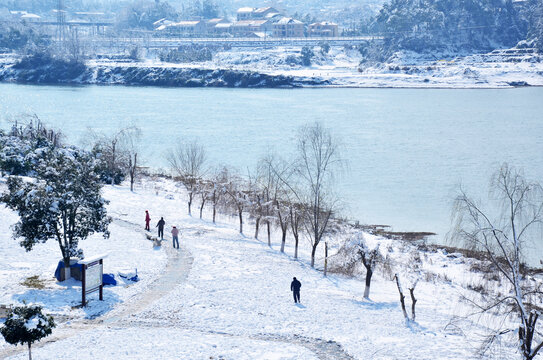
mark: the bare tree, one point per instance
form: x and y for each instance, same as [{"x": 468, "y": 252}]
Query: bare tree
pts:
[
  {"x": 219, "y": 181},
  {"x": 318, "y": 162},
  {"x": 205, "y": 189},
  {"x": 238, "y": 196},
  {"x": 280, "y": 173},
  {"x": 501, "y": 232},
  {"x": 296, "y": 219},
  {"x": 188, "y": 162}
]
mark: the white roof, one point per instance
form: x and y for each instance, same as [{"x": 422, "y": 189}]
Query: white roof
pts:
[
  {"x": 223, "y": 25},
  {"x": 186, "y": 23},
  {"x": 246, "y": 10},
  {"x": 89, "y": 260},
  {"x": 30, "y": 16},
  {"x": 287, "y": 20},
  {"x": 325, "y": 23}
]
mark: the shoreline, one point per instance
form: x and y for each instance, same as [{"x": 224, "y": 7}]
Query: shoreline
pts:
[
  {"x": 286, "y": 87},
  {"x": 341, "y": 71}
]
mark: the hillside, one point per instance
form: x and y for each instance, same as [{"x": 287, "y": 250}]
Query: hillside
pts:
[{"x": 224, "y": 295}]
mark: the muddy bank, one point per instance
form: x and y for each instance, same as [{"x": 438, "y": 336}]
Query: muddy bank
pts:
[{"x": 40, "y": 71}]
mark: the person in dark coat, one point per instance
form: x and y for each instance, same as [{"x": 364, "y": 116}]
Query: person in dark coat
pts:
[
  {"x": 295, "y": 286},
  {"x": 147, "y": 220},
  {"x": 160, "y": 226}
]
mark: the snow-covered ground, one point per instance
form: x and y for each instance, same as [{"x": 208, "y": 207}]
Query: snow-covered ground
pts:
[{"x": 225, "y": 295}]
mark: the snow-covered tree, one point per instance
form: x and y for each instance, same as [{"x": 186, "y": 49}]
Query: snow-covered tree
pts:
[
  {"x": 369, "y": 256},
  {"x": 63, "y": 203},
  {"x": 22, "y": 147},
  {"x": 26, "y": 325},
  {"x": 501, "y": 232}
]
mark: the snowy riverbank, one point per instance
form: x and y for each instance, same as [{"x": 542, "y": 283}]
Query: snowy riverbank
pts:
[
  {"x": 282, "y": 67},
  {"x": 226, "y": 296}
]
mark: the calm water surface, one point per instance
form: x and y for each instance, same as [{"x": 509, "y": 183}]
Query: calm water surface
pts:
[{"x": 408, "y": 149}]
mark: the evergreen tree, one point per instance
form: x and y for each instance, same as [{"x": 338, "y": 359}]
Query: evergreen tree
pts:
[
  {"x": 63, "y": 203},
  {"x": 26, "y": 325},
  {"x": 422, "y": 25}
]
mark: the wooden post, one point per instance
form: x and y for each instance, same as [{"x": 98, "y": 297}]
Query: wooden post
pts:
[
  {"x": 83, "y": 287},
  {"x": 101, "y": 290}
]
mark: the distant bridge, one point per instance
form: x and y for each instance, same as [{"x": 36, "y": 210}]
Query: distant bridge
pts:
[{"x": 171, "y": 43}]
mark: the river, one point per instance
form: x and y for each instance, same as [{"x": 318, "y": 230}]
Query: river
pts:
[{"x": 408, "y": 149}]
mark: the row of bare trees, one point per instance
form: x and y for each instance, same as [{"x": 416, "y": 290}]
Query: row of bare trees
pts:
[{"x": 293, "y": 196}]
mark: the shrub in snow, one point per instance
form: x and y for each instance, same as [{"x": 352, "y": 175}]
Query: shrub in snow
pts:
[
  {"x": 26, "y": 325},
  {"x": 307, "y": 54}
]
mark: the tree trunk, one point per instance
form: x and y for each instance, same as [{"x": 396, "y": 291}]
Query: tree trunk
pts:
[
  {"x": 66, "y": 270},
  {"x": 29, "y": 351},
  {"x": 132, "y": 171},
  {"x": 402, "y": 297},
  {"x": 257, "y": 227},
  {"x": 413, "y": 302},
  {"x": 202, "y": 207},
  {"x": 313, "y": 250},
  {"x": 190, "y": 202},
  {"x": 325, "y": 258},
  {"x": 296, "y": 246},
  {"x": 214, "y": 212},
  {"x": 269, "y": 232},
  {"x": 240, "y": 214},
  {"x": 369, "y": 273},
  {"x": 283, "y": 239}
]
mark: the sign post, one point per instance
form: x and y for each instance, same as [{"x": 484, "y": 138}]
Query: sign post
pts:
[{"x": 91, "y": 280}]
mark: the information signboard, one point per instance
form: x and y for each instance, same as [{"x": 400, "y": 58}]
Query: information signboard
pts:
[{"x": 92, "y": 270}]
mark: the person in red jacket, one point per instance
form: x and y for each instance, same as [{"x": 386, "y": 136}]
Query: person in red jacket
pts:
[{"x": 147, "y": 220}]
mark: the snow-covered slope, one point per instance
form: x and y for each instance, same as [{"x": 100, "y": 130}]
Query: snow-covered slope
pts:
[{"x": 225, "y": 295}]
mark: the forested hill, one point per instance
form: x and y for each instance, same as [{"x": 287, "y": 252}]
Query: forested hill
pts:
[{"x": 456, "y": 25}]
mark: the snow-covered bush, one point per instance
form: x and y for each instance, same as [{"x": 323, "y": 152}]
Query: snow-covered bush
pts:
[{"x": 26, "y": 325}]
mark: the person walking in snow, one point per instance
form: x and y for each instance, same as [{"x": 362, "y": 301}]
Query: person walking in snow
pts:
[
  {"x": 160, "y": 226},
  {"x": 147, "y": 220},
  {"x": 295, "y": 286},
  {"x": 175, "y": 239}
]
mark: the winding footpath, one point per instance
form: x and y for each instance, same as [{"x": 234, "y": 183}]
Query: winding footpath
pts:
[{"x": 176, "y": 272}]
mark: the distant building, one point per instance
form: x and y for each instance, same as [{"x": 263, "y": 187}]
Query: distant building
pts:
[
  {"x": 261, "y": 13},
  {"x": 288, "y": 27},
  {"x": 212, "y": 23},
  {"x": 245, "y": 13},
  {"x": 323, "y": 29},
  {"x": 222, "y": 28},
  {"x": 248, "y": 27},
  {"x": 184, "y": 28},
  {"x": 162, "y": 23},
  {"x": 248, "y": 13}
]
